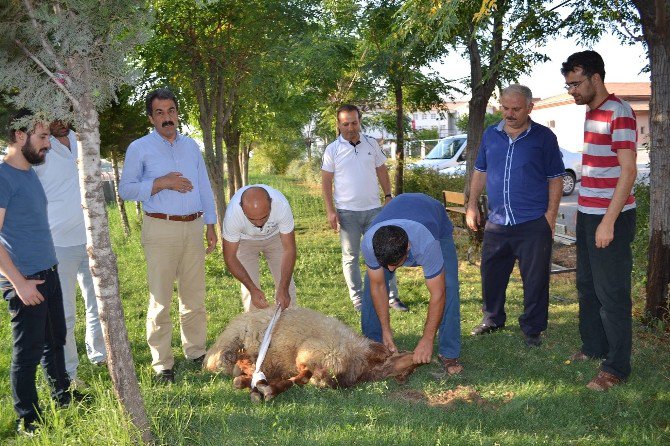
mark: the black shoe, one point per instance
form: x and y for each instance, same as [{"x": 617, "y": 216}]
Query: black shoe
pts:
[
  {"x": 64, "y": 399},
  {"x": 397, "y": 305},
  {"x": 199, "y": 361},
  {"x": 485, "y": 328},
  {"x": 532, "y": 340},
  {"x": 26, "y": 428},
  {"x": 165, "y": 376}
]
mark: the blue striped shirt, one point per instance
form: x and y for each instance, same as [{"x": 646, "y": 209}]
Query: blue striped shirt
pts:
[{"x": 151, "y": 157}]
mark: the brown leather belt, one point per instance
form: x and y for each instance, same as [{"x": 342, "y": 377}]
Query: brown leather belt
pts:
[{"x": 189, "y": 217}]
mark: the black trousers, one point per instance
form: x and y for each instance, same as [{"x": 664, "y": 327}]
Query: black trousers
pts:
[
  {"x": 530, "y": 243},
  {"x": 604, "y": 285},
  {"x": 38, "y": 332}
]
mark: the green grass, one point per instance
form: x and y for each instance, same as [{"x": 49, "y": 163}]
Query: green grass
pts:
[{"x": 527, "y": 396}]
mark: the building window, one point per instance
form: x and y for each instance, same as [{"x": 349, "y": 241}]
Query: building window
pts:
[
  {"x": 643, "y": 130},
  {"x": 416, "y": 116},
  {"x": 551, "y": 124},
  {"x": 433, "y": 116},
  {"x": 424, "y": 116}
]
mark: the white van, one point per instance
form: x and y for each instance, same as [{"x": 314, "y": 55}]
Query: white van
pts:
[{"x": 449, "y": 152}]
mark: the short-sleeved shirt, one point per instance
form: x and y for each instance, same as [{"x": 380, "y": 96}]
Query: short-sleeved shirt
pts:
[
  {"x": 517, "y": 172},
  {"x": 236, "y": 226},
  {"x": 355, "y": 172},
  {"x": 424, "y": 220},
  {"x": 607, "y": 129},
  {"x": 60, "y": 179},
  {"x": 25, "y": 231}
]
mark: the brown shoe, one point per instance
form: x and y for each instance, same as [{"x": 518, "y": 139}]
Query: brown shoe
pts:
[
  {"x": 579, "y": 356},
  {"x": 451, "y": 365},
  {"x": 604, "y": 381}
]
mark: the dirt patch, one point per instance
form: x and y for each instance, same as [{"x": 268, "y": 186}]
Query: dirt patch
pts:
[
  {"x": 449, "y": 398},
  {"x": 564, "y": 255}
]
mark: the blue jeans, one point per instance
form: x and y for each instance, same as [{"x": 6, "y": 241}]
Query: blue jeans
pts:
[
  {"x": 353, "y": 225},
  {"x": 449, "y": 333},
  {"x": 38, "y": 332},
  {"x": 73, "y": 265}
]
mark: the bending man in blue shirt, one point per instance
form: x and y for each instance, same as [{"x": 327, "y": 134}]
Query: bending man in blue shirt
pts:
[
  {"x": 414, "y": 230},
  {"x": 520, "y": 163},
  {"x": 166, "y": 172}
]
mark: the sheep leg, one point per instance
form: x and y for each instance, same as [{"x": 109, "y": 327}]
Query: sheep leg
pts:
[
  {"x": 243, "y": 370},
  {"x": 279, "y": 385}
]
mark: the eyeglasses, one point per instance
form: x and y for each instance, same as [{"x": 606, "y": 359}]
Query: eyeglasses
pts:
[{"x": 572, "y": 85}]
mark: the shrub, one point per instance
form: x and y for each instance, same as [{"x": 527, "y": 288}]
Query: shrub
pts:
[
  {"x": 430, "y": 182},
  {"x": 641, "y": 242},
  {"x": 308, "y": 170}
]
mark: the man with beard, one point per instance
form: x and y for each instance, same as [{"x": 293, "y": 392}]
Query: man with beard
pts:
[
  {"x": 60, "y": 179},
  {"x": 28, "y": 274},
  {"x": 521, "y": 166},
  {"x": 166, "y": 172},
  {"x": 352, "y": 165},
  {"x": 605, "y": 221}
]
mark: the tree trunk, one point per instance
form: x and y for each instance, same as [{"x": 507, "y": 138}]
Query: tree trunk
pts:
[
  {"x": 231, "y": 135},
  {"x": 119, "y": 202},
  {"x": 400, "y": 138},
  {"x": 655, "y": 18},
  {"x": 244, "y": 162},
  {"x": 105, "y": 273},
  {"x": 138, "y": 208}
]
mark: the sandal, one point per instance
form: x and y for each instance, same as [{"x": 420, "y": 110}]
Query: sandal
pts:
[
  {"x": 604, "y": 381},
  {"x": 451, "y": 365}
]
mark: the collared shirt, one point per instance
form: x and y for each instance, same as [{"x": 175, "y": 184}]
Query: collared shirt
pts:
[
  {"x": 608, "y": 128},
  {"x": 517, "y": 172},
  {"x": 355, "y": 172},
  {"x": 151, "y": 157},
  {"x": 60, "y": 178},
  {"x": 237, "y": 226},
  {"x": 424, "y": 220}
]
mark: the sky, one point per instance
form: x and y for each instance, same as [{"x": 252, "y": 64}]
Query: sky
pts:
[{"x": 623, "y": 63}]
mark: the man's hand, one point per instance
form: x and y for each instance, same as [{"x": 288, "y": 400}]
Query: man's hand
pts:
[
  {"x": 334, "y": 221},
  {"x": 423, "y": 351},
  {"x": 176, "y": 181},
  {"x": 258, "y": 299},
  {"x": 283, "y": 298},
  {"x": 604, "y": 234},
  {"x": 472, "y": 218},
  {"x": 551, "y": 221},
  {"x": 28, "y": 293},
  {"x": 387, "y": 339},
  {"x": 211, "y": 238}
]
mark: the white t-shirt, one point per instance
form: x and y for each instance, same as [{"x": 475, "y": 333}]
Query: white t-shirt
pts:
[
  {"x": 237, "y": 226},
  {"x": 60, "y": 180},
  {"x": 355, "y": 175}
]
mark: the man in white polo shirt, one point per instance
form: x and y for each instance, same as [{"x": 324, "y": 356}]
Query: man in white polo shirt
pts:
[
  {"x": 60, "y": 180},
  {"x": 353, "y": 164},
  {"x": 259, "y": 220}
]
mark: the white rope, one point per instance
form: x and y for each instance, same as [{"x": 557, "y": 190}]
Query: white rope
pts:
[{"x": 258, "y": 375}]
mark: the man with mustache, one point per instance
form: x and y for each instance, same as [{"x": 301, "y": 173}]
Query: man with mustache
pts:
[
  {"x": 521, "y": 166},
  {"x": 60, "y": 178},
  {"x": 605, "y": 221},
  {"x": 166, "y": 172},
  {"x": 28, "y": 275}
]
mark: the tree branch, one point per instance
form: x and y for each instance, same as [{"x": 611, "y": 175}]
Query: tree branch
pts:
[
  {"x": 45, "y": 44},
  {"x": 52, "y": 76}
]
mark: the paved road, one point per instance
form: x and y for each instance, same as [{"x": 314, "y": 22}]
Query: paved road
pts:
[{"x": 567, "y": 213}]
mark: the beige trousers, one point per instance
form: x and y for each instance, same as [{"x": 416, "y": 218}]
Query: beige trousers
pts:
[
  {"x": 175, "y": 250},
  {"x": 248, "y": 253}
]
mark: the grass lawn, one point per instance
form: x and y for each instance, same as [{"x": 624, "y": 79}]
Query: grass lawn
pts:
[{"x": 508, "y": 394}]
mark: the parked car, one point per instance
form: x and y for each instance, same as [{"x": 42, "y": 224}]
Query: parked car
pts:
[
  {"x": 456, "y": 164},
  {"x": 449, "y": 152}
]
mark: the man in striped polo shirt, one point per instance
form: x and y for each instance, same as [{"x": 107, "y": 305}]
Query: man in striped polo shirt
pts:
[{"x": 605, "y": 221}]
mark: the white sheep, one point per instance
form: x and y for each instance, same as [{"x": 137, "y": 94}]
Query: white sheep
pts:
[{"x": 306, "y": 346}]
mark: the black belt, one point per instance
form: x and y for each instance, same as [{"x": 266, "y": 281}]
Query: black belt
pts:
[
  {"x": 189, "y": 217},
  {"x": 41, "y": 274}
]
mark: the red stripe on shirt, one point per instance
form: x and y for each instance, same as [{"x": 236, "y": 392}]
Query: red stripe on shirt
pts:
[
  {"x": 599, "y": 161},
  {"x": 600, "y": 183},
  {"x": 593, "y": 202},
  {"x": 624, "y": 122},
  {"x": 600, "y": 139}
]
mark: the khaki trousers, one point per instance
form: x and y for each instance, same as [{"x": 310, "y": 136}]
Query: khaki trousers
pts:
[
  {"x": 248, "y": 253},
  {"x": 175, "y": 250}
]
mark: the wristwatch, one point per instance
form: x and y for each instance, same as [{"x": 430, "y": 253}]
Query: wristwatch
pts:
[{"x": 388, "y": 196}]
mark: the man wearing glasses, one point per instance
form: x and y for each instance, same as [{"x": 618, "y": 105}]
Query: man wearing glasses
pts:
[
  {"x": 259, "y": 220},
  {"x": 605, "y": 220},
  {"x": 353, "y": 165},
  {"x": 166, "y": 172}
]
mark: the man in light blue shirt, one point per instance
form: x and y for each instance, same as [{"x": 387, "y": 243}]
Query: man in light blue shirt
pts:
[{"x": 166, "y": 172}]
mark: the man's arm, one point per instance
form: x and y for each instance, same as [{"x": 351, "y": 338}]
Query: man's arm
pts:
[
  {"x": 424, "y": 349},
  {"x": 236, "y": 268},
  {"x": 384, "y": 182},
  {"x": 555, "y": 194},
  {"x": 25, "y": 289},
  {"x": 288, "y": 256},
  {"x": 605, "y": 230},
  {"x": 327, "y": 192},
  {"x": 380, "y": 300},
  {"x": 477, "y": 183}
]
